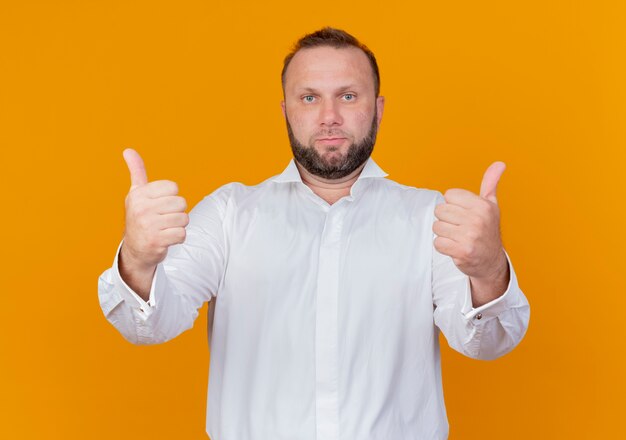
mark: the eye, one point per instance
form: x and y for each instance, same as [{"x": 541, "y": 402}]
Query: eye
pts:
[
  {"x": 349, "y": 97},
  {"x": 308, "y": 98}
]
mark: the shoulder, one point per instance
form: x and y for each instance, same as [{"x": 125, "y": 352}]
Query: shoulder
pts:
[
  {"x": 232, "y": 194},
  {"x": 395, "y": 192}
]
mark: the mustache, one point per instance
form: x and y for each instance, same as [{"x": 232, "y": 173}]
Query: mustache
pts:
[{"x": 330, "y": 132}]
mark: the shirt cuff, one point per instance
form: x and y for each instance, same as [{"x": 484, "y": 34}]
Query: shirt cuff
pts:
[
  {"x": 488, "y": 311},
  {"x": 128, "y": 294}
]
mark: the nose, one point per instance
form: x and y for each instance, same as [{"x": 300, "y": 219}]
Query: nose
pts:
[{"x": 329, "y": 114}]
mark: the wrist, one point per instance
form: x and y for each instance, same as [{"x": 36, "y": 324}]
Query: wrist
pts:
[
  {"x": 129, "y": 263},
  {"x": 499, "y": 270},
  {"x": 486, "y": 289}
]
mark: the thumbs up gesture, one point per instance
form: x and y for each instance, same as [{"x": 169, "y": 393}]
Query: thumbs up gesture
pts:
[
  {"x": 155, "y": 217},
  {"x": 468, "y": 230}
]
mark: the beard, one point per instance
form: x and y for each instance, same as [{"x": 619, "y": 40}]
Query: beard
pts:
[{"x": 314, "y": 163}]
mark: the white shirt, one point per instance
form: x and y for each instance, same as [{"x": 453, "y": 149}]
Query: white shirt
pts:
[{"x": 325, "y": 318}]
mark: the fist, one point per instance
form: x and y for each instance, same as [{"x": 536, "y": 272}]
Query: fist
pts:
[
  {"x": 155, "y": 215},
  {"x": 468, "y": 227}
]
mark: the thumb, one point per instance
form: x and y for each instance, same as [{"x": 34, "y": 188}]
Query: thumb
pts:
[
  {"x": 490, "y": 181},
  {"x": 137, "y": 170}
]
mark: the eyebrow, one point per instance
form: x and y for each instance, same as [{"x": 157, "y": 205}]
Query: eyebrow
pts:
[{"x": 339, "y": 89}]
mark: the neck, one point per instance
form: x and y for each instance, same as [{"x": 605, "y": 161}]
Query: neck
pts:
[{"x": 330, "y": 190}]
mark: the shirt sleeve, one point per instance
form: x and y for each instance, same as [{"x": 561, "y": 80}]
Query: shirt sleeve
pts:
[
  {"x": 189, "y": 276},
  {"x": 486, "y": 332}
]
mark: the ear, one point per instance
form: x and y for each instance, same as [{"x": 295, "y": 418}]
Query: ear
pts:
[
  {"x": 380, "y": 106},
  {"x": 282, "y": 107}
]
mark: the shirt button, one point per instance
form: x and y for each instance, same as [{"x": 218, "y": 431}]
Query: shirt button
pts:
[{"x": 479, "y": 316}]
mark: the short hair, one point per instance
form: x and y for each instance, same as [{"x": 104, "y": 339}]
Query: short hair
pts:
[{"x": 336, "y": 38}]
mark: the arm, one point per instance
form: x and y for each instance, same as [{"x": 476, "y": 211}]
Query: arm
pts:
[
  {"x": 168, "y": 264},
  {"x": 485, "y": 332},
  {"x": 478, "y": 304},
  {"x": 189, "y": 276}
]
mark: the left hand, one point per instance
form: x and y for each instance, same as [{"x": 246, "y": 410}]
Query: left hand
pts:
[{"x": 468, "y": 228}]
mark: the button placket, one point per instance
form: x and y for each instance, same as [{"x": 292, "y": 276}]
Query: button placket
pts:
[{"x": 326, "y": 337}]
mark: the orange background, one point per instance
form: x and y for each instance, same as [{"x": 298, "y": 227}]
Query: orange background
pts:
[{"x": 194, "y": 87}]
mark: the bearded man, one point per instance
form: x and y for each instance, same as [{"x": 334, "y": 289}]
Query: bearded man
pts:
[{"x": 327, "y": 284}]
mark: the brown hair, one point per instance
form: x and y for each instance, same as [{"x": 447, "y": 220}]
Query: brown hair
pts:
[{"x": 334, "y": 38}]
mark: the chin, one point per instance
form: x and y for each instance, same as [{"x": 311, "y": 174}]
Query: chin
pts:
[{"x": 333, "y": 156}]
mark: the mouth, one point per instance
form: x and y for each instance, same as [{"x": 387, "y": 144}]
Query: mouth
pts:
[{"x": 331, "y": 140}]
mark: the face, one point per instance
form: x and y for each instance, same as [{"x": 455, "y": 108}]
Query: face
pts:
[{"x": 331, "y": 110}]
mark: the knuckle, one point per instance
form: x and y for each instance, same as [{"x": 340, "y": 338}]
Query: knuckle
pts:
[
  {"x": 160, "y": 251},
  {"x": 439, "y": 209},
  {"x": 468, "y": 251},
  {"x": 437, "y": 243},
  {"x": 454, "y": 192},
  {"x": 436, "y": 227},
  {"x": 472, "y": 234},
  {"x": 175, "y": 235},
  {"x": 172, "y": 186},
  {"x": 164, "y": 187},
  {"x": 153, "y": 186}
]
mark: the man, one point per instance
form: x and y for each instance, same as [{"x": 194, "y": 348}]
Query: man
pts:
[{"x": 327, "y": 284}]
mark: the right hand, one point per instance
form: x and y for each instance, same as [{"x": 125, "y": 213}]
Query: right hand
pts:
[{"x": 155, "y": 216}]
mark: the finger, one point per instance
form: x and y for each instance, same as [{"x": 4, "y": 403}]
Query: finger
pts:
[
  {"x": 173, "y": 220},
  {"x": 170, "y": 204},
  {"x": 461, "y": 197},
  {"x": 490, "y": 180},
  {"x": 173, "y": 236},
  {"x": 447, "y": 230},
  {"x": 138, "y": 176},
  {"x": 450, "y": 213},
  {"x": 160, "y": 188},
  {"x": 445, "y": 246}
]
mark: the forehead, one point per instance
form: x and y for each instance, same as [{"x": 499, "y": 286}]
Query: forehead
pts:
[{"x": 326, "y": 66}]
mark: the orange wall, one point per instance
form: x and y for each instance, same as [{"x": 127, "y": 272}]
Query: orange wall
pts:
[{"x": 194, "y": 87}]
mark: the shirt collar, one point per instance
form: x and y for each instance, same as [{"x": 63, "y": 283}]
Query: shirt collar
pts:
[{"x": 291, "y": 173}]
